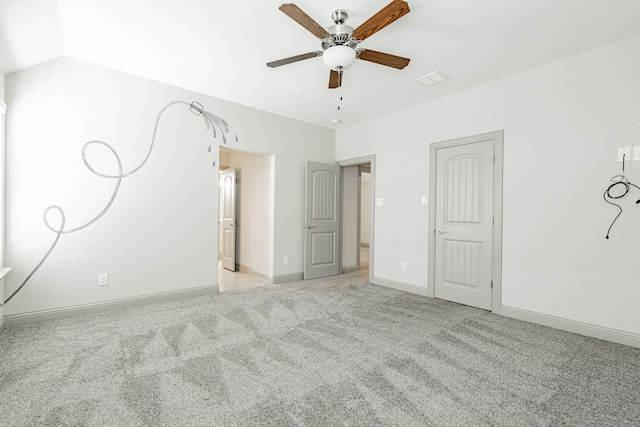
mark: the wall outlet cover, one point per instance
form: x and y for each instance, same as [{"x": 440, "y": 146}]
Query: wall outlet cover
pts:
[{"x": 636, "y": 153}]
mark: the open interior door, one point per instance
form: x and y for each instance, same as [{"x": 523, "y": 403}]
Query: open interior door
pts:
[
  {"x": 228, "y": 214},
  {"x": 322, "y": 220}
]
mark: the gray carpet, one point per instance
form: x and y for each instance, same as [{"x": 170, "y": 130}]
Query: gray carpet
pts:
[{"x": 327, "y": 352}]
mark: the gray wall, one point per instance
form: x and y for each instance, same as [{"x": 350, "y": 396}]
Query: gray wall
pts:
[
  {"x": 365, "y": 207},
  {"x": 350, "y": 211}
]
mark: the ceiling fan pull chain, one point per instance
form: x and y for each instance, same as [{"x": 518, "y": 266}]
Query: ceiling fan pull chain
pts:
[{"x": 340, "y": 85}]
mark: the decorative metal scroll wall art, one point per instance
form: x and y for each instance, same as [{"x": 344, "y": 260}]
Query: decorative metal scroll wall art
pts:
[{"x": 213, "y": 122}]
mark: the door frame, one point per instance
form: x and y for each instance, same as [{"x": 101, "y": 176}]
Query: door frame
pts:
[
  {"x": 498, "y": 148},
  {"x": 371, "y": 160}
]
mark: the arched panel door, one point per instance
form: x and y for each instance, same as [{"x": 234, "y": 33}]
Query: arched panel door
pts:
[{"x": 322, "y": 220}]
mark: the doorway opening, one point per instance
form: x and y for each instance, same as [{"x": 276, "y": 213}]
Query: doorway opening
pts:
[
  {"x": 358, "y": 215},
  {"x": 245, "y": 220}
]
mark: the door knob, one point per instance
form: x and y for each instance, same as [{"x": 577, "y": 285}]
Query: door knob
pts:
[
  {"x": 440, "y": 231},
  {"x": 309, "y": 226}
]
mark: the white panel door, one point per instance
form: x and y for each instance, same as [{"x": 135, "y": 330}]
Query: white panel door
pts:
[
  {"x": 322, "y": 221},
  {"x": 228, "y": 213},
  {"x": 464, "y": 224}
]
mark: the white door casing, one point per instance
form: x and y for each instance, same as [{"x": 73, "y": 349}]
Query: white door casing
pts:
[
  {"x": 465, "y": 247},
  {"x": 322, "y": 220},
  {"x": 228, "y": 218}
]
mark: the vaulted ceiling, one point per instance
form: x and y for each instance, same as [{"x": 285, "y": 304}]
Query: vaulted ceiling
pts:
[{"x": 220, "y": 48}]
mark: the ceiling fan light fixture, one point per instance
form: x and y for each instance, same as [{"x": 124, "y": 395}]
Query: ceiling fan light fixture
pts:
[{"x": 339, "y": 58}]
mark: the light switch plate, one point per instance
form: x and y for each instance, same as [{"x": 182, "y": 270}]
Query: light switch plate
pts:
[
  {"x": 379, "y": 202},
  {"x": 423, "y": 200},
  {"x": 636, "y": 153},
  {"x": 624, "y": 153}
]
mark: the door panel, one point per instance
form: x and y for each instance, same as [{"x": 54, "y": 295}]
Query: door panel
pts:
[
  {"x": 464, "y": 224},
  {"x": 322, "y": 222},
  {"x": 228, "y": 210}
]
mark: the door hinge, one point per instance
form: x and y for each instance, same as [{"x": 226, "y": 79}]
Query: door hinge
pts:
[
  {"x": 492, "y": 284},
  {"x": 493, "y": 221},
  {"x": 494, "y": 158}
]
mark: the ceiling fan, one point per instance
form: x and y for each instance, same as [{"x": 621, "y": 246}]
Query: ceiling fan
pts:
[{"x": 339, "y": 41}]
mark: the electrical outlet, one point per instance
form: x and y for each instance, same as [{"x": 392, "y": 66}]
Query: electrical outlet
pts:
[
  {"x": 624, "y": 153},
  {"x": 286, "y": 260},
  {"x": 403, "y": 266},
  {"x": 103, "y": 279}
]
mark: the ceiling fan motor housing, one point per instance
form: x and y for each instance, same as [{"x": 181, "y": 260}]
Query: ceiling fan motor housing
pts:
[{"x": 340, "y": 33}]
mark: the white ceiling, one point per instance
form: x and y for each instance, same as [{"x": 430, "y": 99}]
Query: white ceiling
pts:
[{"x": 220, "y": 48}]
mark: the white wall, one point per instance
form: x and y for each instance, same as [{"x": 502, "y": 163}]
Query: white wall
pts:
[
  {"x": 161, "y": 232},
  {"x": 562, "y": 123},
  {"x": 254, "y": 248},
  {"x": 2, "y": 84}
]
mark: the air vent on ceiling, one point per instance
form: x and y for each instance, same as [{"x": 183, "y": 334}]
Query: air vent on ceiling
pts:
[{"x": 432, "y": 78}]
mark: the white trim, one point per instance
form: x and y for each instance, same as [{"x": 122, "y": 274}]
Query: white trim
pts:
[
  {"x": 595, "y": 331},
  {"x": 79, "y": 310},
  {"x": 587, "y": 329},
  {"x": 251, "y": 272},
  {"x": 405, "y": 287},
  {"x": 2, "y": 324},
  {"x": 3, "y": 107},
  {"x": 4, "y": 271}
]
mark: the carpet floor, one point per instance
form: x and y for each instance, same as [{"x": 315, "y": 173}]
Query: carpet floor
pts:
[{"x": 329, "y": 352}]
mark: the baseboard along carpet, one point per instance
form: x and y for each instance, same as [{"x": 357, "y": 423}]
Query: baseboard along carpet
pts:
[{"x": 327, "y": 352}]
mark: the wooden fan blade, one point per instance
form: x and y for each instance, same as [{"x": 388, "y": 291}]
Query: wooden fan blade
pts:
[
  {"x": 390, "y": 13},
  {"x": 285, "y": 61},
  {"x": 335, "y": 79},
  {"x": 383, "y": 58},
  {"x": 298, "y": 15}
]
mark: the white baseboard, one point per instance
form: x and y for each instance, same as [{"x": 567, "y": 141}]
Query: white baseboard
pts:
[
  {"x": 250, "y": 271},
  {"x": 60, "y": 313},
  {"x": 2, "y": 323},
  {"x": 285, "y": 278},
  {"x": 595, "y": 331},
  {"x": 608, "y": 334},
  {"x": 406, "y": 287}
]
